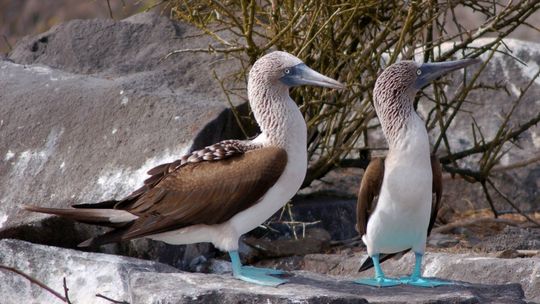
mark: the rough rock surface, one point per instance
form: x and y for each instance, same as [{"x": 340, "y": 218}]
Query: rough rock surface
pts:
[
  {"x": 305, "y": 287},
  {"x": 472, "y": 268},
  {"x": 138, "y": 281},
  {"x": 88, "y": 107},
  {"x": 87, "y": 274}
]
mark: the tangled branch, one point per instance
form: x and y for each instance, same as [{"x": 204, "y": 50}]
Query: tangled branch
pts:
[{"x": 353, "y": 41}]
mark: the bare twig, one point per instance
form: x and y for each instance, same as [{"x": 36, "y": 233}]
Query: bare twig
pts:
[
  {"x": 35, "y": 281},
  {"x": 6, "y": 41},
  {"x": 353, "y": 41},
  {"x": 111, "y": 300},
  {"x": 511, "y": 203},
  {"x": 66, "y": 290},
  {"x": 210, "y": 49},
  {"x": 110, "y": 9}
]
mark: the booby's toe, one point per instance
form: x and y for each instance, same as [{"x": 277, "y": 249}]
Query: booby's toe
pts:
[
  {"x": 259, "y": 278},
  {"x": 424, "y": 282},
  {"x": 378, "y": 282}
]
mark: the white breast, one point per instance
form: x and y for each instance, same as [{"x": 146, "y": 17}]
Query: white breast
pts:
[
  {"x": 289, "y": 182},
  {"x": 401, "y": 217}
]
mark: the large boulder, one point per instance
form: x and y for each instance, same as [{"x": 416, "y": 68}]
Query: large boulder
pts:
[
  {"x": 89, "y": 106},
  {"x": 86, "y": 274},
  {"x": 137, "y": 281}
]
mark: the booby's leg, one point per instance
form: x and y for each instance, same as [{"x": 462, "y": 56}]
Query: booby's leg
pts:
[
  {"x": 255, "y": 275},
  {"x": 379, "y": 280},
  {"x": 416, "y": 278},
  {"x": 262, "y": 270}
]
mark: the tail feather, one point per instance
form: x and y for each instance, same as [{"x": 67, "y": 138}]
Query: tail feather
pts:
[
  {"x": 102, "y": 217},
  {"x": 101, "y": 205},
  {"x": 106, "y": 238}
]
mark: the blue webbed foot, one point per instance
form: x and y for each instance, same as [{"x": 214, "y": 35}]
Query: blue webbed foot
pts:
[
  {"x": 260, "y": 276},
  {"x": 378, "y": 282},
  {"x": 262, "y": 270},
  {"x": 416, "y": 278},
  {"x": 424, "y": 282}
]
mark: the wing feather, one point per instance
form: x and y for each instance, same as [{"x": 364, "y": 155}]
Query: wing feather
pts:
[
  {"x": 206, "y": 192},
  {"x": 370, "y": 186},
  {"x": 207, "y": 186}
]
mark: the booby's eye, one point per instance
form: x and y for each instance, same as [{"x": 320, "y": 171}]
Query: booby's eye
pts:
[
  {"x": 418, "y": 72},
  {"x": 287, "y": 71}
]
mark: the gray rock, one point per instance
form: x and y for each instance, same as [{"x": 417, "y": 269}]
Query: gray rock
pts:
[
  {"x": 88, "y": 107},
  {"x": 316, "y": 240},
  {"x": 442, "y": 240},
  {"x": 304, "y": 287},
  {"x": 336, "y": 215},
  {"x": 138, "y": 281},
  {"x": 471, "y": 268},
  {"x": 87, "y": 274},
  {"x": 512, "y": 238}
]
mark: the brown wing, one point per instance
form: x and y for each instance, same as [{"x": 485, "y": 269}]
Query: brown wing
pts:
[
  {"x": 219, "y": 151},
  {"x": 437, "y": 190},
  {"x": 206, "y": 192},
  {"x": 369, "y": 188}
]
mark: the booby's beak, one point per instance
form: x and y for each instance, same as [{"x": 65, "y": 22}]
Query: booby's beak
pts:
[
  {"x": 428, "y": 72},
  {"x": 301, "y": 74}
]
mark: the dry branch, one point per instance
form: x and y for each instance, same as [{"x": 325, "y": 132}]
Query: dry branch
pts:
[{"x": 353, "y": 41}]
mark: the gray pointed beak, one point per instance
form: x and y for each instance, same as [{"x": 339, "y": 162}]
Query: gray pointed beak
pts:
[
  {"x": 301, "y": 74},
  {"x": 428, "y": 72}
]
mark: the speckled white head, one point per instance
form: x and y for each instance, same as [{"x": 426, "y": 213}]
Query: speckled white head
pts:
[
  {"x": 397, "y": 85},
  {"x": 281, "y": 68},
  {"x": 278, "y": 116},
  {"x": 402, "y": 80}
]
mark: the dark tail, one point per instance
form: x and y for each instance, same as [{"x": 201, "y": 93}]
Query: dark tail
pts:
[
  {"x": 112, "y": 236},
  {"x": 102, "y": 217}
]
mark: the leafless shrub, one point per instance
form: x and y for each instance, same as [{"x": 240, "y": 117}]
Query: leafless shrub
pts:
[{"x": 352, "y": 41}]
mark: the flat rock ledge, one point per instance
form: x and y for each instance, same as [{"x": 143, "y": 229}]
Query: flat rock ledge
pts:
[
  {"x": 305, "y": 287},
  {"x": 139, "y": 281}
]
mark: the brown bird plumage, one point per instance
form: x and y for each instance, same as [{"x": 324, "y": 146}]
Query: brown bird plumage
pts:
[
  {"x": 184, "y": 193},
  {"x": 370, "y": 187}
]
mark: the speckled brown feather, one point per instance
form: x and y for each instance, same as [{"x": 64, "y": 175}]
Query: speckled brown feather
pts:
[
  {"x": 204, "y": 192},
  {"x": 207, "y": 192},
  {"x": 218, "y": 151},
  {"x": 370, "y": 186}
]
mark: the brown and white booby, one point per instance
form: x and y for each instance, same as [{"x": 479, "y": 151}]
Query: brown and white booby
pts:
[
  {"x": 406, "y": 180},
  {"x": 225, "y": 190}
]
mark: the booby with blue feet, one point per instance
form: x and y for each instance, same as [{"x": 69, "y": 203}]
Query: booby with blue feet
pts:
[
  {"x": 224, "y": 190},
  {"x": 408, "y": 181}
]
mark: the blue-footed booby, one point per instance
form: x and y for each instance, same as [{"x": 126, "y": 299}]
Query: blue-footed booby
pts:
[
  {"x": 405, "y": 181},
  {"x": 224, "y": 190}
]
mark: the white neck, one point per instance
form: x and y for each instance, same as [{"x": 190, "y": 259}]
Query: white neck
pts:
[
  {"x": 412, "y": 140},
  {"x": 279, "y": 118}
]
